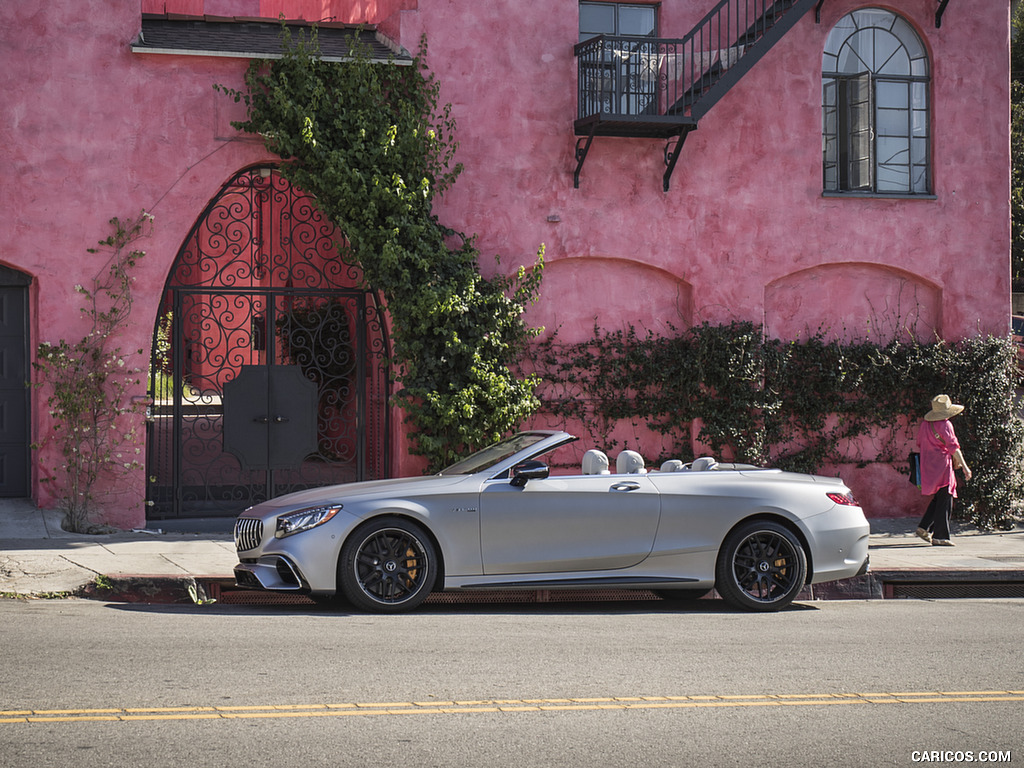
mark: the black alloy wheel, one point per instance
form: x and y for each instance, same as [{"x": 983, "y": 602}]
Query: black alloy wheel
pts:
[
  {"x": 761, "y": 567},
  {"x": 387, "y": 566}
]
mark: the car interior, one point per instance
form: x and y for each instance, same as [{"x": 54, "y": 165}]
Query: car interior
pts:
[{"x": 595, "y": 462}]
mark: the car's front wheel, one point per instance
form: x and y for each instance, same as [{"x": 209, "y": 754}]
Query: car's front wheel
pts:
[
  {"x": 387, "y": 565},
  {"x": 761, "y": 567}
]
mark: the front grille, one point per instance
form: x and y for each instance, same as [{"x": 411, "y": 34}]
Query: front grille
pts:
[{"x": 248, "y": 533}]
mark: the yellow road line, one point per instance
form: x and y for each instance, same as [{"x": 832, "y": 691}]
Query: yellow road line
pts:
[{"x": 625, "y": 703}]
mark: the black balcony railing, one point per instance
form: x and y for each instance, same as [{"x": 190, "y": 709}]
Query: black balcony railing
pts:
[
  {"x": 659, "y": 87},
  {"x": 630, "y": 86}
]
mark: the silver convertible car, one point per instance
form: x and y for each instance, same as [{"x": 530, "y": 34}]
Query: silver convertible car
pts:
[{"x": 500, "y": 520}]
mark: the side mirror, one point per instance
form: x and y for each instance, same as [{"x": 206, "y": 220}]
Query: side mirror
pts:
[{"x": 529, "y": 470}]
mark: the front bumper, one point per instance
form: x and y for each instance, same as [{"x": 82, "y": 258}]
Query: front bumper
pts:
[
  {"x": 271, "y": 572},
  {"x": 303, "y": 562}
]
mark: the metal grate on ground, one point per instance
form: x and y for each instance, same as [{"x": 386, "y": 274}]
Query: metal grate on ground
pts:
[{"x": 951, "y": 591}]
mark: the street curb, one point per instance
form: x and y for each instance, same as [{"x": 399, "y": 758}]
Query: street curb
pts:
[
  {"x": 162, "y": 590},
  {"x": 875, "y": 585},
  {"x": 893, "y": 584}
]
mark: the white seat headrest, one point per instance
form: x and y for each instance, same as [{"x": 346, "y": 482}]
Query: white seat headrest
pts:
[
  {"x": 595, "y": 463},
  {"x": 630, "y": 463},
  {"x": 704, "y": 462},
  {"x": 672, "y": 465}
]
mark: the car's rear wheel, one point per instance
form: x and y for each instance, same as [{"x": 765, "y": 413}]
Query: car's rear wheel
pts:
[
  {"x": 761, "y": 567},
  {"x": 387, "y": 566}
]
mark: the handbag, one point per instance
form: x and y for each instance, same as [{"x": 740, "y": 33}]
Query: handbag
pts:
[{"x": 914, "y": 460}]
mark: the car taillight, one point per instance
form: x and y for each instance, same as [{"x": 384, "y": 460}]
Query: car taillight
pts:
[{"x": 843, "y": 498}]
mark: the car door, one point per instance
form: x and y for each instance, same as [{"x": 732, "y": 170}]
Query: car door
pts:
[{"x": 563, "y": 524}]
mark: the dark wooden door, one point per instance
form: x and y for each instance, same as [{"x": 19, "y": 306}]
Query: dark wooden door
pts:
[{"x": 14, "y": 392}]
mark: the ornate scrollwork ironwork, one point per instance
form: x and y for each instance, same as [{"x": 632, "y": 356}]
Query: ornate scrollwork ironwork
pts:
[{"x": 263, "y": 279}]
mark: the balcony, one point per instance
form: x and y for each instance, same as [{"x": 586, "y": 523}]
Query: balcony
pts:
[
  {"x": 658, "y": 88},
  {"x": 642, "y": 86}
]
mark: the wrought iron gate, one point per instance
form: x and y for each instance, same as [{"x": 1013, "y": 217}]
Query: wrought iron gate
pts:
[{"x": 269, "y": 368}]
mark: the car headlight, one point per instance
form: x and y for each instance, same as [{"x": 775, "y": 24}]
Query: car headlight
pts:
[{"x": 304, "y": 519}]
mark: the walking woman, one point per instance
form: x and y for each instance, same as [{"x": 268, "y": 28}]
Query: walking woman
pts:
[{"x": 940, "y": 458}]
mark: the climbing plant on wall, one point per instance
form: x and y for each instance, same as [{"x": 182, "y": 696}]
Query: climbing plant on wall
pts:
[
  {"x": 87, "y": 384},
  {"x": 803, "y": 405},
  {"x": 371, "y": 144}
]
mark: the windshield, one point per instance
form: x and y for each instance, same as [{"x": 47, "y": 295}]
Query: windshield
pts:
[{"x": 494, "y": 454}]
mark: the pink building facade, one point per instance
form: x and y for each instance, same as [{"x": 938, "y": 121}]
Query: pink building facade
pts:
[{"x": 772, "y": 214}]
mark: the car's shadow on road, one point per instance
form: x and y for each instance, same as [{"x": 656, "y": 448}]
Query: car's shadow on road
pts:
[{"x": 454, "y": 610}]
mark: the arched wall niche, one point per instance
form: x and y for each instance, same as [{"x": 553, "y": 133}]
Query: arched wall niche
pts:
[
  {"x": 853, "y": 301},
  {"x": 579, "y": 294}
]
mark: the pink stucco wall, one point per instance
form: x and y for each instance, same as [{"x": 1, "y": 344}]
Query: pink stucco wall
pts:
[
  {"x": 745, "y": 213},
  {"x": 745, "y": 232},
  {"x": 91, "y": 130}
]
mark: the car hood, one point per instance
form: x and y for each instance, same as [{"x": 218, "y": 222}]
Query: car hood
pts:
[{"x": 406, "y": 486}]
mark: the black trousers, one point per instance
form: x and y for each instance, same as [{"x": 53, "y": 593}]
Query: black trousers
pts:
[{"x": 936, "y": 517}]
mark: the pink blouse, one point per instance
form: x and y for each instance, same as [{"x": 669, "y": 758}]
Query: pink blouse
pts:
[{"x": 937, "y": 442}]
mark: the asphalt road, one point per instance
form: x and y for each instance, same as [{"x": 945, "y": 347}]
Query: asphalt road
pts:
[{"x": 627, "y": 684}]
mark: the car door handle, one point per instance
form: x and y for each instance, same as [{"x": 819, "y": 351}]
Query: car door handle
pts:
[{"x": 626, "y": 487}]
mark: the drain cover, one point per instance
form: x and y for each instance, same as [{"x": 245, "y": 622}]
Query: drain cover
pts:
[{"x": 972, "y": 589}]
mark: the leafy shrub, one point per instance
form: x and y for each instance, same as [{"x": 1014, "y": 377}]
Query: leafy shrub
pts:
[
  {"x": 88, "y": 383},
  {"x": 797, "y": 405}
]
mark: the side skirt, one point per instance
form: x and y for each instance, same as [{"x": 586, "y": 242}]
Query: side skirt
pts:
[{"x": 636, "y": 582}]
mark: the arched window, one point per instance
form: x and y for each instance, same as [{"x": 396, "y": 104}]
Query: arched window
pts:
[{"x": 876, "y": 124}]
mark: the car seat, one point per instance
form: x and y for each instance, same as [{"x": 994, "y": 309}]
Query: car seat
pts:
[
  {"x": 630, "y": 463},
  {"x": 595, "y": 463},
  {"x": 703, "y": 463}
]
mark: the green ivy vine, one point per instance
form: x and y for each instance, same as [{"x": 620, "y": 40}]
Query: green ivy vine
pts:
[
  {"x": 369, "y": 142},
  {"x": 797, "y": 405}
]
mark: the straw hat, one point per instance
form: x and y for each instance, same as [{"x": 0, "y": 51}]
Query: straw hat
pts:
[{"x": 942, "y": 408}]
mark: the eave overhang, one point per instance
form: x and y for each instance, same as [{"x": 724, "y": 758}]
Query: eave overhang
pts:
[{"x": 246, "y": 38}]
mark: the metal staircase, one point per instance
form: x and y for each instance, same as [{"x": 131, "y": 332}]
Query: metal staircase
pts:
[{"x": 660, "y": 88}]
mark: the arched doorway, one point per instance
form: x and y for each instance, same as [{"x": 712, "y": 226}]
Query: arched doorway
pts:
[{"x": 269, "y": 369}]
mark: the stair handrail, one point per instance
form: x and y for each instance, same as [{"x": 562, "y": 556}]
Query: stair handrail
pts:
[{"x": 688, "y": 66}]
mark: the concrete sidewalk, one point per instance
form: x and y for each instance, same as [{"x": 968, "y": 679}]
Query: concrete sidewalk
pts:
[{"x": 38, "y": 558}]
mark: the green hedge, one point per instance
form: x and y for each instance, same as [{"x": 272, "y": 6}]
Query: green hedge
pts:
[{"x": 798, "y": 405}]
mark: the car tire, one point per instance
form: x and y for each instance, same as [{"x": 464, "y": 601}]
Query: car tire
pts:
[
  {"x": 761, "y": 567},
  {"x": 388, "y": 565}
]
